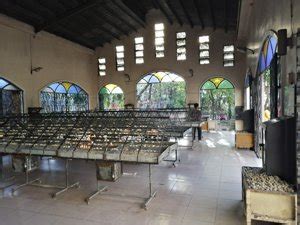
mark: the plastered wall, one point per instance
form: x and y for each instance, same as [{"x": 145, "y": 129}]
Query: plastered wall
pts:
[
  {"x": 218, "y": 39},
  {"x": 60, "y": 59},
  {"x": 64, "y": 60}
]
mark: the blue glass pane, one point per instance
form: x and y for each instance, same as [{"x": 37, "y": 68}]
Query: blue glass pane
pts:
[
  {"x": 73, "y": 90},
  {"x": 273, "y": 43},
  {"x": 270, "y": 54},
  {"x": 79, "y": 89},
  {"x": 53, "y": 86},
  {"x": 147, "y": 78},
  {"x": 153, "y": 79},
  {"x": 3, "y": 83},
  {"x": 60, "y": 89}
]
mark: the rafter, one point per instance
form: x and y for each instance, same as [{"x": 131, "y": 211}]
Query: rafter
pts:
[
  {"x": 117, "y": 15},
  {"x": 187, "y": 15},
  {"x": 96, "y": 26},
  {"x": 73, "y": 37},
  {"x": 110, "y": 22},
  {"x": 225, "y": 16},
  {"x": 196, "y": 3},
  {"x": 129, "y": 12},
  {"x": 68, "y": 14},
  {"x": 163, "y": 10},
  {"x": 212, "y": 13},
  {"x": 174, "y": 13}
]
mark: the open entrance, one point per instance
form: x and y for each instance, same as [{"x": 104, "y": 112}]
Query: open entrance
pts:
[
  {"x": 111, "y": 96},
  {"x": 217, "y": 99},
  {"x": 161, "y": 89}
]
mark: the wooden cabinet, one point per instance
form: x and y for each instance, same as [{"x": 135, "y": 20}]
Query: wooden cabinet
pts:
[{"x": 244, "y": 140}]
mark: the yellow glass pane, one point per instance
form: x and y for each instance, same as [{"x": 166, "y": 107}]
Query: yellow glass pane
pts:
[
  {"x": 217, "y": 80},
  {"x": 111, "y": 87},
  {"x": 160, "y": 75},
  {"x": 66, "y": 85},
  {"x": 265, "y": 48}
]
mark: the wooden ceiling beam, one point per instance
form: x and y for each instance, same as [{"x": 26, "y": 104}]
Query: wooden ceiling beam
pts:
[
  {"x": 73, "y": 37},
  {"x": 212, "y": 13},
  {"x": 68, "y": 14},
  {"x": 110, "y": 23},
  {"x": 226, "y": 16},
  {"x": 117, "y": 15},
  {"x": 196, "y": 3},
  {"x": 186, "y": 13},
  {"x": 92, "y": 20},
  {"x": 163, "y": 10},
  {"x": 129, "y": 12},
  {"x": 174, "y": 13}
]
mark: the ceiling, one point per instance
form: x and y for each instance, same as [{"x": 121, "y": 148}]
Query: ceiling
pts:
[{"x": 93, "y": 23}]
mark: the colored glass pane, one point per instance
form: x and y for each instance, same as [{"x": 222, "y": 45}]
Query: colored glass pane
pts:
[
  {"x": 208, "y": 85},
  {"x": 225, "y": 84},
  {"x": 60, "y": 89},
  {"x": 110, "y": 87},
  {"x": 66, "y": 85},
  {"x": 216, "y": 81},
  {"x": 3, "y": 83}
]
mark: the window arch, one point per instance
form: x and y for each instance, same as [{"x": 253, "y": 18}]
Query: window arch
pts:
[
  {"x": 267, "y": 52},
  {"x": 161, "y": 89},
  {"x": 217, "y": 99},
  {"x": 63, "y": 97},
  {"x": 111, "y": 96},
  {"x": 11, "y": 98}
]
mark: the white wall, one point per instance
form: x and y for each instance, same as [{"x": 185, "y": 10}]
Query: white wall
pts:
[
  {"x": 218, "y": 38},
  {"x": 61, "y": 60}
]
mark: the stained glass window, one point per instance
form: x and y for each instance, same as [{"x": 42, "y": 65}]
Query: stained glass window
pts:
[
  {"x": 161, "y": 90},
  {"x": 63, "y": 97},
  {"x": 217, "y": 99},
  {"x": 267, "y": 52},
  {"x": 11, "y": 98},
  {"x": 111, "y": 96}
]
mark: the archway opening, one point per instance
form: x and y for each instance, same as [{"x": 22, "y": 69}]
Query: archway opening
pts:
[
  {"x": 11, "y": 98},
  {"x": 63, "y": 97},
  {"x": 217, "y": 100},
  {"x": 162, "y": 89},
  {"x": 111, "y": 96}
]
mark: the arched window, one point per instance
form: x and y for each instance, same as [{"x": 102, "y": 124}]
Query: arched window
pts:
[
  {"x": 63, "y": 97},
  {"x": 217, "y": 99},
  {"x": 11, "y": 98},
  {"x": 111, "y": 96},
  {"x": 267, "y": 53},
  {"x": 161, "y": 90}
]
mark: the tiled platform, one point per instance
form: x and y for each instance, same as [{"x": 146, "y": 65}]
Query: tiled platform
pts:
[{"x": 204, "y": 189}]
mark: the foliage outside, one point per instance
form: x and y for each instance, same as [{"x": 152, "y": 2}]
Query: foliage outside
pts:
[
  {"x": 161, "y": 95},
  {"x": 217, "y": 103}
]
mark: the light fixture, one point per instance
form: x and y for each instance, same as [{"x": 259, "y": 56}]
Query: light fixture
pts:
[
  {"x": 191, "y": 71},
  {"x": 35, "y": 69},
  {"x": 245, "y": 50},
  {"x": 126, "y": 75}
]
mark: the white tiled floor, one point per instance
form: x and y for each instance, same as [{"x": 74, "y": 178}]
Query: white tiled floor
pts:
[{"x": 204, "y": 189}]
